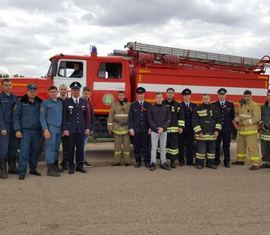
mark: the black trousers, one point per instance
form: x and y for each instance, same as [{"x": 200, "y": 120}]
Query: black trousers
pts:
[
  {"x": 65, "y": 147},
  {"x": 205, "y": 149},
  {"x": 141, "y": 142},
  {"x": 172, "y": 146},
  {"x": 225, "y": 137},
  {"x": 186, "y": 146},
  {"x": 76, "y": 147}
]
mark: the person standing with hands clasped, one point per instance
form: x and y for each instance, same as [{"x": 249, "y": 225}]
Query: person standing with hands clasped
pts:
[{"x": 159, "y": 120}]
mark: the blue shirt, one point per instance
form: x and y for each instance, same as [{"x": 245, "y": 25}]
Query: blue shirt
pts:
[{"x": 51, "y": 113}]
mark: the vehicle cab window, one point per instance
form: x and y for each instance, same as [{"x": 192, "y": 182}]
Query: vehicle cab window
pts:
[
  {"x": 110, "y": 71},
  {"x": 71, "y": 69}
]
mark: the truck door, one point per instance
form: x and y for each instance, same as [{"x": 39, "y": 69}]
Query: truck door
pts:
[
  {"x": 70, "y": 70},
  {"x": 111, "y": 77}
]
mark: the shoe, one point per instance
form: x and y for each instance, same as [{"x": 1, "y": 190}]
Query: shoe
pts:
[
  {"x": 64, "y": 166},
  {"x": 116, "y": 164},
  {"x": 199, "y": 166},
  {"x": 12, "y": 167},
  {"x": 240, "y": 163},
  {"x": 147, "y": 164},
  {"x": 81, "y": 170},
  {"x": 212, "y": 166},
  {"x": 138, "y": 164},
  {"x": 21, "y": 177},
  {"x": 3, "y": 167},
  {"x": 52, "y": 171},
  {"x": 164, "y": 166},
  {"x": 253, "y": 168},
  {"x": 265, "y": 165},
  {"x": 172, "y": 164},
  {"x": 87, "y": 164},
  {"x": 152, "y": 167},
  {"x": 227, "y": 165},
  {"x": 36, "y": 173},
  {"x": 181, "y": 163},
  {"x": 71, "y": 171}
]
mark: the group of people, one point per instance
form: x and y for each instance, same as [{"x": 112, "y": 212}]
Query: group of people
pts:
[
  {"x": 23, "y": 121},
  {"x": 188, "y": 133},
  {"x": 183, "y": 132}
]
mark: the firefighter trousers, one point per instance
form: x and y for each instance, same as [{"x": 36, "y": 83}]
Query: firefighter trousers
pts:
[
  {"x": 172, "y": 146},
  {"x": 121, "y": 147},
  {"x": 248, "y": 143},
  {"x": 205, "y": 149},
  {"x": 265, "y": 148}
]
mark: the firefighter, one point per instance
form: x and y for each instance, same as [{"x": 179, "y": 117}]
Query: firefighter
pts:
[
  {"x": 139, "y": 128},
  {"x": 176, "y": 125},
  {"x": 206, "y": 125},
  {"x": 265, "y": 133},
  {"x": 76, "y": 127},
  {"x": 248, "y": 115},
  {"x": 8, "y": 141},
  {"x": 51, "y": 121},
  {"x": 227, "y": 112},
  {"x": 186, "y": 138},
  {"x": 28, "y": 129},
  {"x": 118, "y": 126}
]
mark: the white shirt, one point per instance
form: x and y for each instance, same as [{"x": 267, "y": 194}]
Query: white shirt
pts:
[{"x": 74, "y": 99}]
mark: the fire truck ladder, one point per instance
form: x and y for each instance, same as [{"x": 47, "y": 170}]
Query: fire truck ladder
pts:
[{"x": 201, "y": 56}]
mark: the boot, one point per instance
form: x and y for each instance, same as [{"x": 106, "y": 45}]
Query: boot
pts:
[
  {"x": 172, "y": 163},
  {"x": 64, "y": 164},
  {"x": 51, "y": 171},
  {"x": 12, "y": 169},
  {"x": 3, "y": 166}
]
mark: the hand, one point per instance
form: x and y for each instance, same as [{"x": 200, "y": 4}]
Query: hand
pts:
[
  {"x": 4, "y": 132},
  {"x": 66, "y": 133},
  {"x": 132, "y": 132},
  {"x": 180, "y": 130},
  {"x": 87, "y": 132},
  {"x": 216, "y": 134},
  {"x": 149, "y": 131},
  {"x": 19, "y": 134},
  {"x": 160, "y": 130},
  {"x": 47, "y": 134}
]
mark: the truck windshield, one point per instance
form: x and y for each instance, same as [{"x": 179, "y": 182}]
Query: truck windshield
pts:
[{"x": 52, "y": 69}]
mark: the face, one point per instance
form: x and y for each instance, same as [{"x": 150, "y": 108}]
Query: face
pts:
[
  {"x": 170, "y": 94},
  {"x": 53, "y": 94},
  {"x": 140, "y": 96},
  {"x": 86, "y": 95},
  {"x": 186, "y": 98},
  {"x": 32, "y": 94},
  {"x": 75, "y": 93},
  {"x": 76, "y": 67},
  {"x": 221, "y": 96},
  {"x": 247, "y": 98},
  {"x": 159, "y": 99},
  {"x": 121, "y": 96},
  {"x": 7, "y": 87},
  {"x": 63, "y": 91},
  {"x": 206, "y": 99}
]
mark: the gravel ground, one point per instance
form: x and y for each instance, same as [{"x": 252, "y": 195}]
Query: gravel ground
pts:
[{"x": 125, "y": 200}]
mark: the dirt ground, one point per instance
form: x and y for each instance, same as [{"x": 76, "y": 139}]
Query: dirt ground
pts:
[{"x": 125, "y": 200}]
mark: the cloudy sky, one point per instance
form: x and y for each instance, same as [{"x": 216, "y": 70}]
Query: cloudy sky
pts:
[{"x": 32, "y": 31}]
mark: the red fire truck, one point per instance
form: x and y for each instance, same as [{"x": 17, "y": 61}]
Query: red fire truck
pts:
[{"x": 155, "y": 68}]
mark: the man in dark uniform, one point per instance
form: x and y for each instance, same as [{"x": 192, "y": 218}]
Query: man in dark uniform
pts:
[
  {"x": 186, "y": 138},
  {"x": 175, "y": 127},
  {"x": 76, "y": 126},
  {"x": 139, "y": 128},
  {"x": 8, "y": 141},
  {"x": 227, "y": 114}
]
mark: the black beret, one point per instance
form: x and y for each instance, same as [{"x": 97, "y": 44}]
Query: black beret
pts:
[
  {"x": 222, "y": 91},
  {"x": 186, "y": 92},
  {"x": 75, "y": 85},
  {"x": 140, "y": 90}
]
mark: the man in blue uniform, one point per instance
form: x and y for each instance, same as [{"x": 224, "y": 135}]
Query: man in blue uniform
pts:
[
  {"x": 8, "y": 141},
  {"x": 51, "y": 121},
  {"x": 76, "y": 126},
  {"x": 227, "y": 114},
  {"x": 186, "y": 138},
  {"x": 139, "y": 128},
  {"x": 27, "y": 126}
]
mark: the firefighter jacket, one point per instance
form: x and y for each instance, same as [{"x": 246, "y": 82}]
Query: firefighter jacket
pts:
[
  {"x": 177, "y": 116},
  {"x": 265, "y": 122},
  {"x": 118, "y": 118},
  {"x": 247, "y": 118},
  {"x": 206, "y": 120}
]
